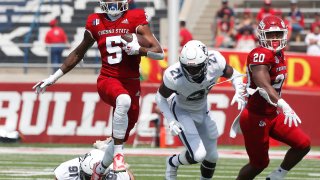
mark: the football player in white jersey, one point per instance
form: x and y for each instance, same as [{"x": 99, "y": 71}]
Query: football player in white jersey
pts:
[
  {"x": 80, "y": 168},
  {"x": 188, "y": 82}
]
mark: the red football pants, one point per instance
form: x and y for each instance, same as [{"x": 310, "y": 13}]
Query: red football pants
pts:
[
  {"x": 257, "y": 129},
  {"x": 110, "y": 88}
]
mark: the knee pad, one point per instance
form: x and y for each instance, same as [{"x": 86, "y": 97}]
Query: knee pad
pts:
[
  {"x": 200, "y": 155},
  {"x": 120, "y": 116},
  {"x": 190, "y": 159},
  {"x": 197, "y": 157},
  {"x": 123, "y": 103}
]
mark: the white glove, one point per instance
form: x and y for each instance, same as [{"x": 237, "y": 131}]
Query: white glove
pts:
[
  {"x": 42, "y": 85},
  {"x": 131, "y": 48},
  {"x": 291, "y": 116},
  {"x": 175, "y": 127},
  {"x": 239, "y": 96},
  {"x": 103, "y": 145}
]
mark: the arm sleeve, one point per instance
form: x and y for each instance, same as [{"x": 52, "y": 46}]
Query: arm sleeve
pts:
[
  {"x": 161, "y": 101},
  {"x": 163, "y": 105},
  {"x": 237, "y": 79}
]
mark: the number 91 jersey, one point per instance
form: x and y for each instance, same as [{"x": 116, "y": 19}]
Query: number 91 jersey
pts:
[
  {"x": 277, "y": 72},
  {"x": 107, "y": 33},
  {"x": 193, "y": 96}
]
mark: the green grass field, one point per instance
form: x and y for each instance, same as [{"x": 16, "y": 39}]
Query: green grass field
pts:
[{"x": 30, "y": 166}]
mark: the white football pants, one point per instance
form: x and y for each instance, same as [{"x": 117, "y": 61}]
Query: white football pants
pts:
[{"x": 200, "y": 134}]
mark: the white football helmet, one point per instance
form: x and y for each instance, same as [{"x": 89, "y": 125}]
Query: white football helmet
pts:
[
  {"x": 87, "y": 162},
  {"x": 114, "y": 7},
  {"x": 193, "y": 60}
]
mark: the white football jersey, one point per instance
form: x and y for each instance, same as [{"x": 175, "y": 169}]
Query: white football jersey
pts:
[
  {"x": 193, "y": 96},
  {"x": 70, "y": 170}
]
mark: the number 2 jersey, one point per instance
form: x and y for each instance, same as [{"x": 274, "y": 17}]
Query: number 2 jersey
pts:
[
  {"x": 193, "y": 96},
  {"x": 277, "y": 71},
  {"x": 115, "y": 62}
]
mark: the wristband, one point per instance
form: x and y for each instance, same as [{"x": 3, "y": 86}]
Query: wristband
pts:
[
  {"x": 156, "y": 56},
  {"x": 58, "y": 74},
  {"x": 281, "y": 103}
]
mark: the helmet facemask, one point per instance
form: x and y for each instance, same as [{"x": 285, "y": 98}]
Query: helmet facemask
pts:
[
  {"x": 114, "y": 8},
  {"x": 84, "y": 176},
  {"x": 273, "y": 40},
  {"x": 87, "y": 163},
  {"x": 195, "y": 73}
]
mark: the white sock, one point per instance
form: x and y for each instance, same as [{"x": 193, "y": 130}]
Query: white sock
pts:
[
  {"x": 100, "y": 169},
  {"x": 108, "y": 154},
  {"x": 118, "y": 149},
  {"x": 282, "y": 172},
  {"x": 203, "y": 178},
  {"x": 278, "y": 173}
]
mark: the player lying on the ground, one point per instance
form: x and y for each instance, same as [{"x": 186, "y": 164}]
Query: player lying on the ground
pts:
[
  {"x": 80, "y": 168},
  {"x": 187, "y": 114}
]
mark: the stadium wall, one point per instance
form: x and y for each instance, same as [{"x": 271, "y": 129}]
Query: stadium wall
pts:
[{"x": 71, "y": 112}]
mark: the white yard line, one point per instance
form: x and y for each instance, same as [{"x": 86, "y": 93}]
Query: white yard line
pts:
[{"x": 223, "y": 153}]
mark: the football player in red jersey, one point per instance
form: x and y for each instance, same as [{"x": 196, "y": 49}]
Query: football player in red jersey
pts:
[
  {"x": 118, "y": 83},
  {"x": 266, "y": 72}
]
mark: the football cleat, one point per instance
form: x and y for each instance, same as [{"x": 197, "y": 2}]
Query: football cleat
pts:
[
  {"x": 274, "y": 175},
  {"x": 95, "y": 175},
  {"x": 118, "y": 163},
  {"x": 171, "y": 171},
  {"x": 102, "y": 145}
]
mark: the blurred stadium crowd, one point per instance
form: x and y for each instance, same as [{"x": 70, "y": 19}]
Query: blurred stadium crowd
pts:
[{"x": 228, "y": 24}]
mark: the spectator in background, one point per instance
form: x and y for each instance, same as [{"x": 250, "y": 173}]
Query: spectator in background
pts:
[
  {"x": 57, "y": 40},
  {"x": 224, "y": 26},
  {"x": 185, "y": 34},
  {"x": 246, "y": 21},
  {"x": 245, "y": 40},
  {"x": 296, "y": 20},
  {"x": 225, "y": 9},
  {"x": 132, "y": 4},
  {"x": 316, "y": 21},
  {"x": 313, "y": 42},
  {"x": 281, "y": 15},
  {"x": 265, "y": 11}
]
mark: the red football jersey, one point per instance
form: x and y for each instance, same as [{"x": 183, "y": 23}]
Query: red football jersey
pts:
[
  {"x": 107, "y": 33},
  {"x": 278, "y": 73}
]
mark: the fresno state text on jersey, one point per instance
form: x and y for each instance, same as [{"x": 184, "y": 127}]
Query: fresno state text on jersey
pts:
[{"x": 107, "y": 33}]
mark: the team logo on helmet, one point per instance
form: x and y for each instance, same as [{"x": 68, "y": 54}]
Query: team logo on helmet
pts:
[
  {"x": 283, "y": 25},
  {"x": 262, "y": 25}
]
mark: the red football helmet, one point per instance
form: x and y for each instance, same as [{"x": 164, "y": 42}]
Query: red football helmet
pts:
[
  {"x": 114, "y": 7},
  {"x": 272, "y": 33}
]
